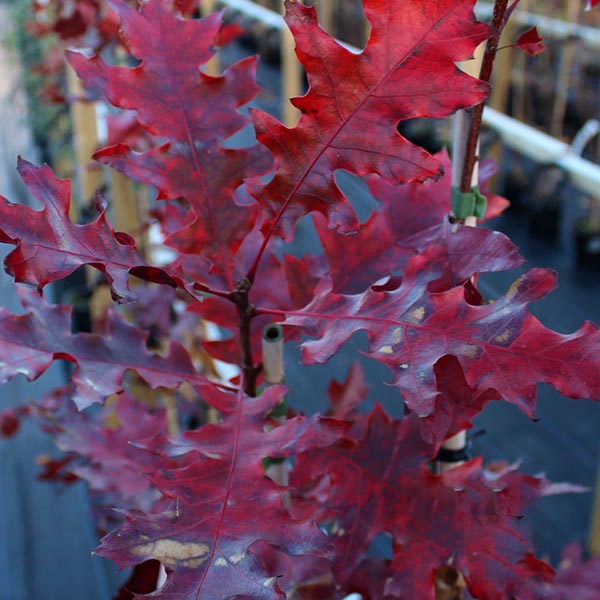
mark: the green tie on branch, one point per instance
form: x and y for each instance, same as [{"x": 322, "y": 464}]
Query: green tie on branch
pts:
[{"x": 467, "y": 204}]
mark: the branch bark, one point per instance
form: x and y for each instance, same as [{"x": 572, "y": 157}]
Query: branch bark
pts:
[
  {"x": 471, "y": 148},
  {"x": 245, "y": 313}
]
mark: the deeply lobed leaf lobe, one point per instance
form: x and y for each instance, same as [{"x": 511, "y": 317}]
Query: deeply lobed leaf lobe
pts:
[{"x": 354, "y": 102}]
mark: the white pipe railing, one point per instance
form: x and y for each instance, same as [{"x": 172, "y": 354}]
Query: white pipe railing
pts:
[
  {"x": 547, "y": 26},
  {"x": 524, "y": 139},
  {"x": 545, "y": 149}
]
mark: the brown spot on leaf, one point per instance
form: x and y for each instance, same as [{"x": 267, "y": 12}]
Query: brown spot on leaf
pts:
[{"x": 173, "y": 554}]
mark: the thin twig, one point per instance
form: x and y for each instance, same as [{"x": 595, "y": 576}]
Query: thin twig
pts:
[
  {"x": 245, "y": 314},
  {"x": 498, "y": 21}
]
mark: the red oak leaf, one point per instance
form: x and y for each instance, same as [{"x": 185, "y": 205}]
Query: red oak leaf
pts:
[
  {"x": 345, "y": 397},
  {"x": 10, "y": 420},
  {"x": 378, "y": 483},
  {"x": 576, "y": 578},
  {"x": 410, "y": 216},
  {"x": 456, "y": 404},
  {"x": 56, "y": 469},
  {"x": 49, "y": 246},
  {"x": 194, "y": 112},
  {"x": 113, "y": 466},
  {"x": 124, "y": 128},
  {"x": 30, "y": 342},
  {"x": 531, "y": 42},
  {"x": 69, "y": 20},
  {"x": 496, "y": 204},
  {"x": 354, "y": 103},
  {"x": 225, "y": 504},
  {"x": 143, "y": 580},
  {"x": 500, "y": 346}
]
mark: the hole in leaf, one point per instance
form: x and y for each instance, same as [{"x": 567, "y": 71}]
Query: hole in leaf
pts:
[
  {"x": 381, "y": 546},
  {"x": 426, "y": 133}
]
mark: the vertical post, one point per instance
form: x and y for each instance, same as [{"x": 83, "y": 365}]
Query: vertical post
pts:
[
  {"x": 462, "y": 122},
  {"x": 292, "y": 78},
  {"x": 273, "y": 372},
  {"x": 501, "y": 78},
  {"x": 326, "y": 11},
  {"x": 567, "y": 57},
  {"x": 212, "y": 66},
  {"x": 272, "y": 351},
  {"x": 128, "y": 212},
  {"x": 519, "y": 92},
  {"x": 594, "y": 539},
  {"x": 85, "y": 138}
]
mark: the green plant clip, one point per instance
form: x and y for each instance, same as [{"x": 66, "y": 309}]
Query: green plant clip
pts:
[{"x": 468, "y": 204}]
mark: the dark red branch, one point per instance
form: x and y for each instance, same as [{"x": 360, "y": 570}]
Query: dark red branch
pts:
[
  {"x": 245, "y": 314},
  {"x": 498, "y": 22}
]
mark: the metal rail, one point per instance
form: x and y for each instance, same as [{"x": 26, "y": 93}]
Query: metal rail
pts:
[
  {"x": 548, "y": 26},
  {"x": 524, "y": 139}
]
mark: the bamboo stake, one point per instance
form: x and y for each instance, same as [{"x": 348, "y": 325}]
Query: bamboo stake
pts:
[
  {"x": 502, "y": 75},
  {"x": 326, "y": 10},
  {"x": 519, "y": 79},
  {"x": 594, "y": 539},
  {"x": 212, "y": 67},
  {"x": 85, "y": 138},
  {"x": 86, "y": 141},
  {"x": 273, "y": 371},
  {"x": 128, "y": 213},
  {"x": 292, "y": 78},
  {"x": 272, "y": 351},
  {"x": 462, "y": 123},
  {"x": 567, "y": 57}
]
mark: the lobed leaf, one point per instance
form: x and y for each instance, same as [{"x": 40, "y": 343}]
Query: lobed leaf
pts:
[
  {"x": 225, "y": 504},
  {"x": 376, "y": 482},
  {"x": 49, "y": 246},
  {"x": 30, "y": 342},
  {"x": 530, "y": 42},
  {"x": 112, "y": 465},
  {"x": 195, "y": 112},
  {"x": 500, "y": 346},
  {"x": 355, "y": 101},
  {"x": 409, "y": 217}
]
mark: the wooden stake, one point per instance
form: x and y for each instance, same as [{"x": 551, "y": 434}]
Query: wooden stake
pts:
[
  {"x": 594, "y": 539},
  {"x": 462, "y": 124},
  {"x": 567, "y": 57},
  {"x": 85, "y": 138},
  {"x": 461, "y": 130},
  {"x": 502, "y": 75},
  {"x": 212, "y": 67},
  {"x": 128, "y": 212},
  {"x": 326, "y": 11},
  {"x": 272, "y": 351},
  {"x": 273, "y": 372},
  {"x": 292, "y": 78},
  {"x": 86, "y": 142}
]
